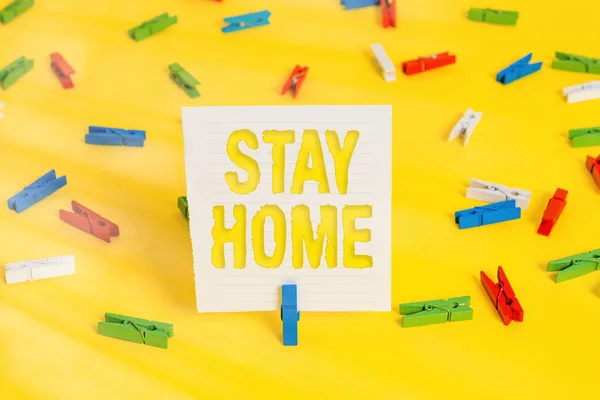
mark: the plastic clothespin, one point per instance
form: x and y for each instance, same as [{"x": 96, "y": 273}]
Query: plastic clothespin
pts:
[
  {"x": 517, "y": 70},
  {"x": 294, "y": 82},
  {"x": 14, "y": 9},
  {"x": 423, "y": 64},
  {"x": 246, "y": 21},
  {"x": 493, "y": 16},
  {"x": 152, "y": 27},
  {"x": 102, "y": 135},
  {"x": 33, "y": 270},
  {"x": 593, "y": 166},
  {"x": 554, "y": 209},
  {"x": 465, "y": 126},
  {"x": 494, "y": 193},
  {"x": 384, "y": 63},
  {"x": 184, "y": 80},
  {"x": 354, "y": 4},
  {"x": 182, "y": 204},
  {"x": 436, "y": 311},
  {"x": 585, "y": 137},
  {"x": 136, "y": 330},
  {"x": 62, "y": 70},
  {"x": 503, "y": 297},
  {"x": 88, "y": 221},
  {"x": 36, "y": 192},
  {"x": 491, "y": 214},
  {"x": 14, "y": 71},
  {"x": 583, "y": 92},
  {"x": 575, "y": 266},
  {"x": 575, "y": 63},
  {"x": 388, "y": 13},
  {"x": 1, "y": 106},
  {"x": 290, "y": 314}
]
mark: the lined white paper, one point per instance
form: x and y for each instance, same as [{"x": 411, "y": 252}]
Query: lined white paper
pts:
[{"x": 255, "y": 288}]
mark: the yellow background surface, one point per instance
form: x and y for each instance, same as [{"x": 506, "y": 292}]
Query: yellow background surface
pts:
[{"x": 48, "y": 343}]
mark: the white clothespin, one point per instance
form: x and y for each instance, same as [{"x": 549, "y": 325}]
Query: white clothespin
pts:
[
  {"x": 494, "y": 193},
  {"x": 386, "y": 66},
  {"x": 584, "y": 92},
  {"x": 1, "y": 106},
  {"x": 39, "y": 269},
  {"x": 465, "y": 126}
]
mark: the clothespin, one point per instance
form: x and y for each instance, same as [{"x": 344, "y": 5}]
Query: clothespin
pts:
[
  {"x": 593, "y": 166},
  {"x": 517, "y": 70},
  {"x": 494, "y": 193},
  {"x": 32, "y": 270},
  {"x": 436, "y": 311},
  {"x": 583, "y": 92},
  {"x": 246, "y": 21},
  {"x": 14, "y": 9},
  {"x": 289, "y": 314},
  {"x": 136, "y": 330},
  {"x": 384, "y": 63},
  {"x": 585, "y": 137},
  {"x": 353, "y": 4},
  {"x": 493, "y": 16},
  {"x": 88, "y": 221},
  {"x": 36, "y": 192},
  {"x": 575, "y": 266},
  {"x": 62, "y": 70},
  {"x": 1, "y": 106},
  {"x": 487, "y": 215},
  {"x": 555, "y": 207},
  {"x": 388, "y": 13},
  {"x": 295, "y": 80},
  {"x": 422, "y": 64},
  {"x": 115, "y": 136},
  {"x": 184, "y": 80},
  {"x": 182, "y": 203},
  {"x": 14, "y": 71},
  {"x": 152, "y": 27},
  {"x": 503, "y": 297},
  {"x": 465, "y": 126},
  {"x": 575, "y": 63}
]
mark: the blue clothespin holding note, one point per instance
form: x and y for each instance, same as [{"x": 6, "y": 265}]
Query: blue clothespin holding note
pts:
[
  {"x": 37, "y": 191},
  {"x": 517, "y": 70},
  {"x": 352, "y": 4},
  {"x": 486, "y": 215},
  {"x": 289, "y": 314},
  {"x": 115, "y": 137},
  {"x": 246, "y": 21}
]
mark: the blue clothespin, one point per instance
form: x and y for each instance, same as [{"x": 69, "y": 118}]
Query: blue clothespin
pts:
[
  {"x": 352, "y": 4},
  {"x": 246, "y": 21},
  {"x": 517, "y": 70},
  {"x": 37, "y": 191},
  {"x": 289, "y": 315},
  {"x": 115, "y": 137},
  {"x": 486, "y": 215}
]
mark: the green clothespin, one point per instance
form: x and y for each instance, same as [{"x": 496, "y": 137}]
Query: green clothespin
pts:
[
  {"x": 152, "y": 27},
  {"x": 436, "y": 311},
  {"x": 575, "y": 63},
  {"x": 493, "y": 16},
  {"x": 136, "y": 330},
  {"x": 184, "y": 80},
  {"x": 14, "y": 71},
  {"x": 575, "y": 266},
  {"x": 585, "y": 137},
  {"x": 14, "y": 9},
  {"x": 182, "y": 203}
]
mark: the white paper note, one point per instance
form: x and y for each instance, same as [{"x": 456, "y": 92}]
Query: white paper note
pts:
[{"x": 349, "y": 282}]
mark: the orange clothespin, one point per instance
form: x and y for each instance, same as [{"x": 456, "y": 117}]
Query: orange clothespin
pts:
[
  {"x": 88, "y": 221},
  {"x": 388, "y": 13},
  {"x": 422, "y": 64},
  {"x": 295, "y": 80},
  {"x": 62, "y": 70},
  {"x": 593, "y": 165},
  {"x": 555, "y": 207},
  {"x": 503, "y": 297}
]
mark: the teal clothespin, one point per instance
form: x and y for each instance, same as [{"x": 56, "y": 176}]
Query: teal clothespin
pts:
[
  {"x": 575, "y": 266},
  {"x": 436, "y": 311},
  {"x": 152, "y": 27},
  {"x": 14, "y": 71},
  {"x": 136, "y": 330},
  {"x": 493, "y": 16},
  {"x": 182, "y": 203},
  {"x": 575, "y": 63},
  {"x": 585, "y": 137},
  {"x": 14, "y": 9},
  {"x": 184, "y": 80}
]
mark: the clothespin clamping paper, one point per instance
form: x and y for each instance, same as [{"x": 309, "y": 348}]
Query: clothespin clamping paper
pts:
[
  {"x": 583, "y": 92},
  {"x": 14, "y": 9},
  {"x": 182, "y": 204},
  {"x": 246, "y": 21},
  {"x": 295, "y": 81},
  {"x": 88, "y": 221},
  {"x": 517, "y": 70},
  {"x": 102, "y": 135},
  {"x": 152, "y": 27},
  {"x": 555, "y": 207},
  {"x": 575, "y": 63},
  {"x": 354, "y": 4},
  {"x": 503, "y": 297},
  {"x": 14, "y": 71},
  {"x": 384, "y": 63},
  {"x": 436, "y": 311},
  {"x": 423, "y": 64},
  {"x": 32, "y": 270},
  {"x": 494, "y": 193},
  {"x": 585, "y": 137},
  {"x": 575, "y": 266},
  {"x": 62, "y": 70},
  {"x": 486, "y": 215},
  {"x": 493, "y": 16},
  {"x": 465, "y": 126},
  {"x": 290, "y": 314},
  {"x": 184, "y": 80},
  {"x": 593, "y": 166},
  {"x": 388, "y": 13},
  {"x": 36, "y": 192},
  {"x": 136, "y": 330}
]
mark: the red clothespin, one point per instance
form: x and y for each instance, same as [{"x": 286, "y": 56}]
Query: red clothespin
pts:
[
  {"x": 388, "y": 13},
  {"x": 593, "y": 165},
  {"x": 426, "y": 63},
  {"x": 503, "y": 297},
  {"x": 295, "y": 80},
  {"x": 62, "y": 70},
  {"x": 88, "y": 221},
  {"x": 555, "y": 207}
]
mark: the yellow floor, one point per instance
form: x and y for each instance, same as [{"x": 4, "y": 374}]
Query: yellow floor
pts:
[{"x": 49, "y": 345}]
